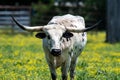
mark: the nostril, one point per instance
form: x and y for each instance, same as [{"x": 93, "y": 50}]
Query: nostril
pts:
[{"x": 56, "y": 52}]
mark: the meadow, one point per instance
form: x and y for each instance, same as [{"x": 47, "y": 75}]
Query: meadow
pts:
[{"x": 22, "y": 58}]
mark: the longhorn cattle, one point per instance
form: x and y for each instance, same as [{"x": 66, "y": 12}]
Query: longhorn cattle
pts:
[{"x": 64, "y": 38}]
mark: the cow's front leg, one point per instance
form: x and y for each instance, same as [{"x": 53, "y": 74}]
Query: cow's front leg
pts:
[
  {"x": 72, "y": 68},
  {"x": 53, "y": 75},
  {"x": 52, "y": 71},
  {"x": 65, "y": 69}
]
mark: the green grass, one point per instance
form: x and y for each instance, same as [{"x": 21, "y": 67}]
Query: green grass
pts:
[{"x": 22, "y": 58}]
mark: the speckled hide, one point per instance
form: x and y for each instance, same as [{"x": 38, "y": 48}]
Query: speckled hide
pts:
[
  {"x": 70, "y": 47},
  {"x": 68, "y": 21}
]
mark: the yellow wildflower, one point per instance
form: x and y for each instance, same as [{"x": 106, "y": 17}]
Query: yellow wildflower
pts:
[{"x": 0, "y": 55}]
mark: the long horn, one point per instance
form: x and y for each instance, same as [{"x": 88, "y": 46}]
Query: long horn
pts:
[
  {"x": 85, "y": 29},
  {"x": 34, "y": 28}
]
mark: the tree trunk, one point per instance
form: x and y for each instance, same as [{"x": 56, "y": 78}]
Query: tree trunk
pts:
[{"x": 113, "y": 21}]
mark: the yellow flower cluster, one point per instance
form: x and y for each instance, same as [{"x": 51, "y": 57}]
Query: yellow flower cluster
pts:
[{"x": 22, "y": 58}]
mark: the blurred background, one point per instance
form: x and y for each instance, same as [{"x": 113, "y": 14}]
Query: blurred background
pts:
[
  {"x": 22, "y": 56},
  {"x": 40, "y": 12}
]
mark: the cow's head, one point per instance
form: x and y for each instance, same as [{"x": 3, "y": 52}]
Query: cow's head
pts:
[{"x": 53, "y": 34}]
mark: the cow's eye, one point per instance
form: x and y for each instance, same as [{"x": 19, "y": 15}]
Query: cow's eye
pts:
[
  {"x": 48, "y": 36},
  {"x": 67, "y": 35}
]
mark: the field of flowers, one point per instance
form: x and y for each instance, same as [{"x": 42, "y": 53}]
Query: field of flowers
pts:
[{"x": 22, "y": 58}]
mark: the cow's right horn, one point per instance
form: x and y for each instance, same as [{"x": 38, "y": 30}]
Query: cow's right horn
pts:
[
  {"x": 83, "y": 30},
  {"x": 34, "y": 28}
]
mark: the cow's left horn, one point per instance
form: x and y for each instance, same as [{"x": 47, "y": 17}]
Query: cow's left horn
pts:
[
  {"x": 85, "y": 29},
  {"x": 27, "y": 28}
]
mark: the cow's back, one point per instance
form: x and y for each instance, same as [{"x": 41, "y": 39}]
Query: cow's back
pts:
[{"x": 69, "y": 21}]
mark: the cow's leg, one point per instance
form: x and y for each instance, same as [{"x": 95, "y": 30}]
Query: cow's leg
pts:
[
  {"x": 53, "y": 72},
  {"x": 65, "y": 69},
  {"x": 51, "y": 66},
  {"x": 72, "y": 68},
  {"x": 53, "y": 75}
]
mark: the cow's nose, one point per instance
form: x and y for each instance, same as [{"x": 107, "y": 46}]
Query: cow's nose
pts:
[{"x": 55, "y": 52}]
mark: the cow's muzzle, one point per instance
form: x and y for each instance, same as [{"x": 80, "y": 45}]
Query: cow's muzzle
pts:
[{"x": 55, "y": 52}]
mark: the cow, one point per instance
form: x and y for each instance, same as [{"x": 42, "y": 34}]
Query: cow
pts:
[{"x": 64, "y": 38}]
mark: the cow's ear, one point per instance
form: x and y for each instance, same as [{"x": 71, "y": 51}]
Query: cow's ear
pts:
[
  {"x": 40, "y": 35},
  {"x": 67, "y": 34}
]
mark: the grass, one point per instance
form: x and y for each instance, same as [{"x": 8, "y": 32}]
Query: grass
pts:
[{"x": 22, "y": 58}]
